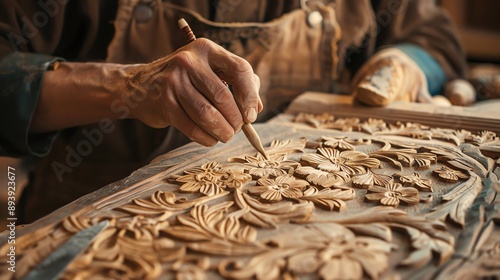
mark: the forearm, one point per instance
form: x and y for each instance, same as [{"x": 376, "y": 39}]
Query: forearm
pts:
[{"x": 78, "y": 94}]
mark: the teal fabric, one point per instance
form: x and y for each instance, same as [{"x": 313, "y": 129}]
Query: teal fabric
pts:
[
  {"x": 431, "y": 68},
  {"x": 21, "y": 76}
]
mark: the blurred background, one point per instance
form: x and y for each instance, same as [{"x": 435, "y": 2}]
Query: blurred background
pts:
[{"x": 478, "y": 25}]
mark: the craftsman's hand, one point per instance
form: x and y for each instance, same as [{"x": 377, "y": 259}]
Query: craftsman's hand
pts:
[
  {"x": 186, "y": 90},
  {"x": 390, "y": 75}
]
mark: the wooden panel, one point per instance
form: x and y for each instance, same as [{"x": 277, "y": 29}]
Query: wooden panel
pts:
[{"x": 339, "y": 198}]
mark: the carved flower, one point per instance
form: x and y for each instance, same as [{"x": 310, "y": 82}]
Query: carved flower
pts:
[
  {"x": 341, "y": 254},
  {"x": 393, "y": 193},
  {"x": 485, "y": 137},
  {"x": 276, "y": 189},
  {"x": 415, "y": 180},
  {"x": 324, "y": 179},
  {"x": 276, "y": 165},
  {"x": 373, "y": 125},
  {"x": 316, "y": 121},
  {"x": 211, "y": 179},
  {"x": 342, "y": 143},
  {"x": 344, "y": 124},
  {"x": 331, "y": 160},
  {"x": 450, "y": 175}
]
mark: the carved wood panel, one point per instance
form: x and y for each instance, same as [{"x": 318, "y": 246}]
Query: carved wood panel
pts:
[{"x": 339, "y": 198}]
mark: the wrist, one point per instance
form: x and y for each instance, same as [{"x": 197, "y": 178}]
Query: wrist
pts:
[{"x": 78, "y": 94}]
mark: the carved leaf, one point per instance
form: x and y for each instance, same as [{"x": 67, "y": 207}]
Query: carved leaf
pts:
[
  {"x": 268, "y": 215},
  {"x": 213, "y": 230},
  {"x": 458, "y": 201},
  {"x": 415, "y": 180},
  {"x": 424, "y": 246},
  {"x": 287, "y": 146},
  {"x": 371, "y": 126},
  {"x": 427, "y": 236},
  {"x": 379, "y": 231},
  {"x": 370, "y": 178},
  {"x": 327, "y": 249},
  {"x": 408, "y": 157},
  {"x": 450, "y": 175},
  {"x": 313, "y": 120},
  {"x": 329, "y": 199},
  {"x": 342, "y": 143},
  {"x": 322, "y": 178},
  {"x": 412, "y": 130}
]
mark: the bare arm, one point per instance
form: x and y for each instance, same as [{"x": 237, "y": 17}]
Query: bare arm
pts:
[{"x": 184, "y": 90}]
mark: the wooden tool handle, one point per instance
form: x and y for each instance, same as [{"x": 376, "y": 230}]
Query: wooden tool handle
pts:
[{"x": 247, "y": 128}]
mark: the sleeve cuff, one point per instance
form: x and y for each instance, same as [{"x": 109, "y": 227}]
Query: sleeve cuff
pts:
[
  {"x": 433, "y": 72},
  {"x": 21, "y": 76}
]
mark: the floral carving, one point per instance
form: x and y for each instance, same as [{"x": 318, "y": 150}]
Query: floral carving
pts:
[
  {"x": 211, "y": 179},
  {"x": 408, "y": 129},
  {"x": 216, "y": 231},
  {"x": 268, "y": 219},
  {"x": 342, "y": 143},
  {"x": 326, "y": 120},
  {"x": 322, "y": 178},
  {"x": 487, "y": 141},
  {"x": 408, "y": 157},
  {"x": 268, "y": 216},
  {"x": 161, "y": 203},
  {"x": 450, "y": 175},
  {"x": 329, "y": 199},
  {"x": 349, "y": 256},
  {"x": 458, "y": 201},
  {"x": 316, "y": 121},
  {"x": 370, "y": 178},
  {"x": 415, "y": 180},
  {"x": 331, "y": 160},
  {"x": 260, "y": 167},
  {"x": 330, "y": 250},
  {"x": 284, "y": 186},
  {"x": 371, "y": 126},
  {"x": 484, "y": 138},
  {"x": 392, "y": 194}
]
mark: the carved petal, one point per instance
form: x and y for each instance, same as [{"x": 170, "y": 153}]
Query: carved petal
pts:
[
  {"x": 329, "y": 199},
  {"x": 450, "y": 175},
  {"x": 210, "y": 189},
  {"x": 415, "y": 180},
  {"x": 304, "y": 262},
  {"x": 390, "y": 201},
  {"x": 341, "y": 268},
  {"x": 370, "y": 178}
]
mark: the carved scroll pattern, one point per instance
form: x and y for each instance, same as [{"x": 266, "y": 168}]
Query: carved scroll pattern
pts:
[{"x": 211, "y": 224}]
